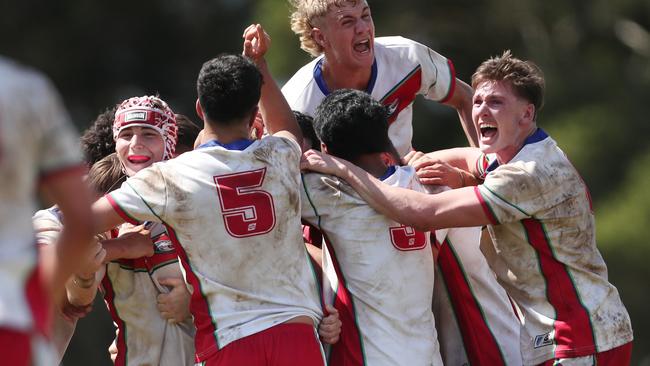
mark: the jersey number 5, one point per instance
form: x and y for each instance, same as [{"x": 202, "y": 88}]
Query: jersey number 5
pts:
[
  {"x": 246, "y": 211},
  {"x": 407, "y": 238}
]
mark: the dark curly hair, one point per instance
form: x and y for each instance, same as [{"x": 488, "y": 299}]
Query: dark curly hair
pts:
[
  {"x": 306, "y": 124},
  {"x": 350, "y": 123},
  {"x": 229, "y": 88},
  {"x": 97, "y": 141},
  {"x": 187, "y": 133}
]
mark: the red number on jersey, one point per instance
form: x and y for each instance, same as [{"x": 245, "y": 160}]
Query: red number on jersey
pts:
[
  {"x": 246, "y": 211},
  {"x": 407, "y": 238}
]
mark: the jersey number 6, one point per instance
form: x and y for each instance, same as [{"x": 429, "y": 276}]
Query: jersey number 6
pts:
[{"x": 246, "y": 211}]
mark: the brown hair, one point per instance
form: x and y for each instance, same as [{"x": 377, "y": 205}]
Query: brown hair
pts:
[
  {"x": 526, "y": 78},
  {"x": 303, "y": 17},
  {"x": 106, "y": 174}
]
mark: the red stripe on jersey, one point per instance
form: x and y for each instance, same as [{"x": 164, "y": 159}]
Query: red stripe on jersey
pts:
[
  {"x": 402, "y": 95},
  {"x": 109, "y": 296},
  {"x": 573, "y": 331},
  {"x": 38, "y": 302},
  {"x": 120, "y": 211},
  {"x": 486, "y": 209},
  {"x": 205, "y": 340},
  {"x": 348, "y": 351},
  {"x": 452, "y": 82},
  {"x": 481, "y": 346}
]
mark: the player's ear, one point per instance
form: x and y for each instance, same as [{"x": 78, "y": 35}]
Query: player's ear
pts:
[
  {"x": 318, "y": 36},
  {"x": 529, "y": 114},
  {"x": 251, "y": 118},
  {"x": 199, "y": 109},
  {"x": 388, "y": 159},
  {"x": 323, "y": 148}
]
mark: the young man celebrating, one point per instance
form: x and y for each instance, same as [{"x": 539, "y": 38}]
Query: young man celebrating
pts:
[
  {"x": 340, "y": 34},
  {"x": 539, "y": 216},
  {"x": 232, "y": 210},
  {"x": 378, "y": 273}
]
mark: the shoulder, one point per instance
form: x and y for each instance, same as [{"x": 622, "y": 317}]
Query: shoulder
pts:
[
  {"x": 281, "y": 144},
  {"x": 300, "y": 82}
]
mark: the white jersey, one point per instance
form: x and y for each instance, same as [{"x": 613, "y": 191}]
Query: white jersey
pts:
[
  {"x": 402, "y": 69},
  {"x": 475, "y": 319},
  {"x": 47, "y": 226},
  {"x": 131, "y": 288},
  {"x": 37, "y": 142},
  {"x": 233, "y": 214},
  {"x": 379, "y": 274},
  {"x": 545, "y": 255}
]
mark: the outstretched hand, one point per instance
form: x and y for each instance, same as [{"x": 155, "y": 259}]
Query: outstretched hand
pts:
[{"x": 256, "y": 42}]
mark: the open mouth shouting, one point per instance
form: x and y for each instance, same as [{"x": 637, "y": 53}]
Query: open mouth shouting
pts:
[
  {"x": 488, "y": 132},
  {"x": 362, "y": 46}
]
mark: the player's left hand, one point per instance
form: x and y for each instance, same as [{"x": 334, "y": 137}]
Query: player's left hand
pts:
[
  {"x": 329, "y": 328},
  {"x": 175, "y": 305},
  {"x": 71, "y": 312},
  {"x": 435, "y": 172},
  {"x": 256, "y": 42}
]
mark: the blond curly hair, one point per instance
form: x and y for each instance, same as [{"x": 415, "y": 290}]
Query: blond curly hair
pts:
[{"x": 305, "y": 13}]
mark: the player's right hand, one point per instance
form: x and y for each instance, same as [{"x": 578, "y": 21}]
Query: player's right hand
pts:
[
  {"x": 139, "y": 242},
  {"x": 256, "y": 42}
]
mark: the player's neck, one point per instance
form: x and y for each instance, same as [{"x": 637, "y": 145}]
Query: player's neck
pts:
[
  {"x": 224, "y": 134},
  {"x": 338, "y": 76},
  {"x": 372, "y": 163}
]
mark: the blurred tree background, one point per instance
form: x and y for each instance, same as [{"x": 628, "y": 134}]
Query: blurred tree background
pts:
[{"x": 595, "y": 55}]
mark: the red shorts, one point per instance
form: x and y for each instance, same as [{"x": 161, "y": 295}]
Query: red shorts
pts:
[
  {"x": 283, "y": 344},
  {"x": 619, "y": 356},
  {"x": 16, "y": 347}
]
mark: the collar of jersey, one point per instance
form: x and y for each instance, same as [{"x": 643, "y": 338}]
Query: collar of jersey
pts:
[
  {"x": 390, "y": 171},
  {"x": 538, "y": 136},
  {"x": 320, "y": 81},
  {"x": 240, "y": 145}
]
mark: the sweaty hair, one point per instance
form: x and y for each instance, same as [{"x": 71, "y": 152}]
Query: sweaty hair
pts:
[
  {"x": 97, "y": 141},
  {"x": 305, "y": 13},
  {"x": 106, "y": 174},
  {"x": 350, "y": 123},
  {"x": 187, "y": 133},
  {"x": 526, "y": 78},
  {"x": 229, "y": 87},
  {"x": 306, "y": 124}
]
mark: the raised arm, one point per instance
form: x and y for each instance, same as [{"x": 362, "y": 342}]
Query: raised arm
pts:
[
  {"x": 276, "y": 113},
  {"x": 453, "y": 208},
  {"x": 461, "y": 100}
]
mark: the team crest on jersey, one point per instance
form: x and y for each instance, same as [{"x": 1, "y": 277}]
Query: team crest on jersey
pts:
[
  {"x": 544, "y": 340},
  {"x": 163, "y": 244},
  {"x": 135, "y": 116}
]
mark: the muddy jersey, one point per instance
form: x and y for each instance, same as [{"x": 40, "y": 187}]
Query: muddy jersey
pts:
[
  {"x": 474, "y": 316},
  {"x": 233, "y": 213},
  {"x": 131, "y": 288},
  {"x": 379, "y": 274},
  {"x": 402, "y": 69},
  {"x": 544, "y": 254},
  {"x": 37, "y": 142}
]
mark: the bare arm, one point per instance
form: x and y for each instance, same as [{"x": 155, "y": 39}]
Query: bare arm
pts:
[
  {"x": 461, "y": 100},
  {"x": 455, "y": 168},
  {"x": 276, "y": 113},
  {"x": 454, "y": 208}
]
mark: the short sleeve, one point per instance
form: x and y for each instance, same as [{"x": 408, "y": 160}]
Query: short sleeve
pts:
[
  {"x": 142, "y": 197},
  {"x": 510, "y": 194},
  {"x": 47, "y": 226},
  {"x": 438, "y": 74}
]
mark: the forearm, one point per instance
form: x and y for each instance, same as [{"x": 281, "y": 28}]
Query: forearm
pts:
[
  {"x": 276, "y": 113},
  {"x": 462, "y": 102},
  {"x": 81, "y": 289}
]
